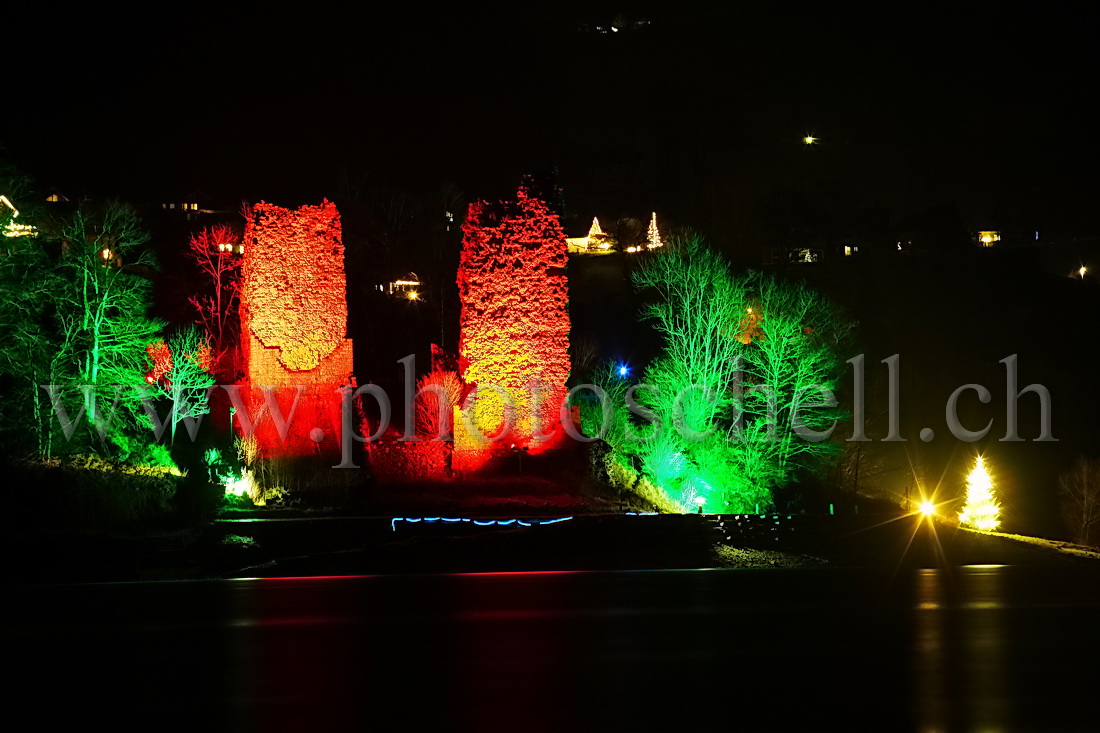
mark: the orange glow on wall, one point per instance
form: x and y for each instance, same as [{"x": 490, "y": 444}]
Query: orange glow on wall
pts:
[
  {"x": 514, "y": 322},
  {"x": 294, "y": 320}
]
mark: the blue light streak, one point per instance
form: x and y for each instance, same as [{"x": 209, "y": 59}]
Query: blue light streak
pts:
[{"x": 479, "y": 522}]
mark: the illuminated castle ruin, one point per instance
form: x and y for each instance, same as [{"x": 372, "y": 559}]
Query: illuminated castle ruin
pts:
[
  {"x": 294, "y": 322},
  {"x": 514, "y": 329}
]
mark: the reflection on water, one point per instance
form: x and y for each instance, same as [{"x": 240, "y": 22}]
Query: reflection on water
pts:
[
  {"x": 985, "y": 641},
  {"x": 960, "y": 665},
  {"x": 972, "y": 648},
  {"x": 931, "y": 653}
]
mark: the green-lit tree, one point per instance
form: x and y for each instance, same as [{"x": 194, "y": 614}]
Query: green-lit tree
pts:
[
  {"x": 792, "y": 339},
  {"x": 75, "y": 328},
  {"x": 101, "y": 308},
  {"x": 186, "y": 381},
  {"x": 26, "y": 287},
  {"x": 741, "y": 389}
]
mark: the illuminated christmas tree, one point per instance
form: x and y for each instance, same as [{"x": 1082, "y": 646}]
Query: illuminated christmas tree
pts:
[
  {"x": 598, "y": 240},
  {"x": 595, "y": 231},
  {"x": 982, "y": 510},
  {"x": 653, "y": 236}
]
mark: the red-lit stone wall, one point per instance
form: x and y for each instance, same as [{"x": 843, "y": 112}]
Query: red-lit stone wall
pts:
[
  {"x": 515, "y": 318},
  {"x": 294, "y": 318}
]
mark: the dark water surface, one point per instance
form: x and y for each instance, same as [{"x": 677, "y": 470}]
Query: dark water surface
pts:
[{"x": 966, "y": 648}]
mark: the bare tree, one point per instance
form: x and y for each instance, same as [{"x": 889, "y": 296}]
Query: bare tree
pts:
[
  {"x": 627, "y": 231},
  {"x": 739, "y": 384},
  {"x": 1079, "y": 489},
  {"x": 83, "y": 319},
  {"x": 861, "y": 468},
  {"x": 438, "y": 394},
  {"x": 586, "y": 356},
  {"x": 792, "y": 359},
  {"x": 102, "y": 309},
  {"x": 186, "y": 379},
  {"x": 217, "y": 252},
  {"x": 28, "y": 280}
]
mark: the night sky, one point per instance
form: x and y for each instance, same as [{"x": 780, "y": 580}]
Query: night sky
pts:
[{"x": 699, "y": 115}]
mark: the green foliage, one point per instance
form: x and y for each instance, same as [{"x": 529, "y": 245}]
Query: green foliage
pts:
[
  {"x": 155, "y": 454},
  {"x": 73, "y": 305},
  {"x": 212, "y": 457},
  {"x": 26, "y": 353},
  {"x": 734, "y": 404},
  {"x": 102, "y": 304},
  {"x": 236, "y": 540},
  {"x": 138, "y": 450},
  {"x": 223, "y": 469}
]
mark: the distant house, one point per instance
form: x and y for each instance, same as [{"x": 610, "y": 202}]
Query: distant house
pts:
[
  {"x": 194, "y": 205},
  {"x": 406, "y": 287},
  {"x": 987, "y": 238},
  {"x": 811, "y": 254}
]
